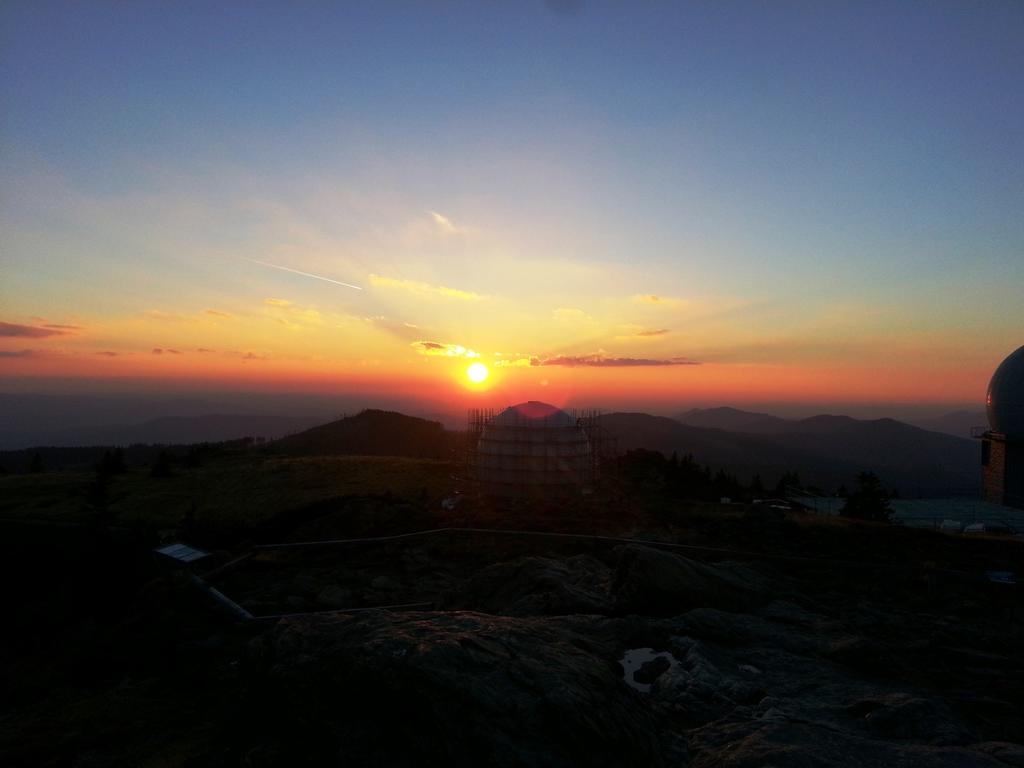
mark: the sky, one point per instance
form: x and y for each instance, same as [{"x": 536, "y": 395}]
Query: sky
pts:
[{"x": 632, "y": 204}]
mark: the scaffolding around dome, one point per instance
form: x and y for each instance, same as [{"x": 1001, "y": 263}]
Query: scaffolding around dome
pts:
[{"x": 536, "y": 451}]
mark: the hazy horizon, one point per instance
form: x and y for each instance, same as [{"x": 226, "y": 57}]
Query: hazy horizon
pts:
[{"x": 36, "y": 417}]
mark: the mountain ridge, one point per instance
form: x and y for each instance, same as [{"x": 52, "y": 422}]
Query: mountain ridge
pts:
[{"x": 827, "y": 451}]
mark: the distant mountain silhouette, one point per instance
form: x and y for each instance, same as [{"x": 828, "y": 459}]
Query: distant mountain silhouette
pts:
[
  {"x": 826, "y": 450},
  {"x": 371, "y": 433},
  {"x": 181, "y": 430},
  {"x": 734, "y": 420},
  {"x": 28, "y": 420},
  {"x": 959, "y": 423}
]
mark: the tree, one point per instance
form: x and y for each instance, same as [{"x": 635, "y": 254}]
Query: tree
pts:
[
  {"x": 162, "y": 467},
  {"x": 789, "y": 482},
  {"x": 869, "y": 501},
  {"x": 37, "y": 464},
  {"x": 756, "y": 487},
  {"x": 112, "y": 463}
]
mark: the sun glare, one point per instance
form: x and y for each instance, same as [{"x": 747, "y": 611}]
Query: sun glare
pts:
[{"x": 477, "y": 372}]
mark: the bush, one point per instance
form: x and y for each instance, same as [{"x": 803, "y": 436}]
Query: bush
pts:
[{"x": 869, "y": 501}]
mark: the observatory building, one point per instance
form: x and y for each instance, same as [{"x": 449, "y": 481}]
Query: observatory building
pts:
[
  {"x": 533, "y": 450},
  {"x": 1002, "y": 446}
]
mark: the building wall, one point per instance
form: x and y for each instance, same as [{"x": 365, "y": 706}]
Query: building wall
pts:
[
  {"x": 993, "y": 468},
  {"x": 1013, "y": 474}
]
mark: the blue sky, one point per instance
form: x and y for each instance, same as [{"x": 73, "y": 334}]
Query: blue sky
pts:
[{"x": 782, "y": 159}]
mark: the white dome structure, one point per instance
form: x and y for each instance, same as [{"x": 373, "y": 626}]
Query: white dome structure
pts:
[
  {"x": 1002, "y": 447},
  {"x": 1005, "y": 399},
  {"x": 534, "y": 450}
]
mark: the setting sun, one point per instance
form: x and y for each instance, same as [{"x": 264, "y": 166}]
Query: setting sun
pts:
[{"x": 477, "y": 372}]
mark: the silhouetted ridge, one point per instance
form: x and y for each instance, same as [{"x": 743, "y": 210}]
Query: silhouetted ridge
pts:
[
  {"x": 370, "y": 433},
  {"x": 734, "y": 420},
  {"x": 827, "y": 450}
]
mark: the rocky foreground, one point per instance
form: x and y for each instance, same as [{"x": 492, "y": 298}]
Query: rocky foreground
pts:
[
  {"x": 746, "y": 672},
  {"x": 836, "y": 645}
]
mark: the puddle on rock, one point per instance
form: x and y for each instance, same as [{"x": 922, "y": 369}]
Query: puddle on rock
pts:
[{"x": 632, "y": 661}]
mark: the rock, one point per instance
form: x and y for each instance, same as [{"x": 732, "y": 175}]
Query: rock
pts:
[
  {"x": 296, "y": 603},
  {"x": 531, "y": 586},
  {"x": 459, "y": 689},
  {"x": 333, "y": 596},
  {"x": 906, "y": 717},
  {"x": 1011, "y": 754},
  {"x": 784, "y": 742},
  {"x": 653, "y": 582},
  {"x": 650, "y": 670},
  {"x": 385, "y": 584}
]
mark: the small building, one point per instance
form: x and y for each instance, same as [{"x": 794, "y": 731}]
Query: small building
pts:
[
  {"x": 1002, "y": 445},
  {"x": 533, "y": 450}
]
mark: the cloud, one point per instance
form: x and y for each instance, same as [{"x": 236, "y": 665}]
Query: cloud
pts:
[
  {"x": 423, "y": 289},
  {"x": 107, "y": 353},
  {"x": 639, "y": 332},
  {"x": 600, "y": 361},
  {"x": 293, "y": 316},
  {"x": 443, "y": 350},
  {"x": 163, "y": 351},
  {"x": 159, "y": 314},
  {"x": 404, "y": 331},
  {"x": 20, "y": 353},
  {"x": 519, "y": 362},
  {"x": 14, "y": 330},
  {"x": 666, "y": 302},
  {"x": 445, "y": 224},
  {"x": 252, "y": 356},
  {"x": 205, "y": 351},
  {"x": 570, "y": 314},
  {"x": 59, "y": 327},
  {"x": 218, "y": 313}
]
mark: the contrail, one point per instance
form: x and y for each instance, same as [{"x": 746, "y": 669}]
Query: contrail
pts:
[{"x": 305, "y": 274}]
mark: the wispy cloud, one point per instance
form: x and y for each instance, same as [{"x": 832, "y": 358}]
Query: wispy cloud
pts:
[
  {"x": 443, "y": 350},
  {"x": 639, "y": 332},
  {"x": 236, "y": 354},
  {"x": 305, "y": 274},
  {"x": 600, "y": 361},
  {"x": 165, "y": 351},
  {"x": 292, "y": 315},
  {"x": 21, "y": 353},
  {"x": 423, "y": 289},
  {"x": 218, "y": 313},
  {"x": 666, "y": 302},
  {"x": 570, "y": 314},
  {"x": 404, "y": 331},
  {"x": 14, "y": 330},
  {"x": 445, "y": 224},
  {"x": 107, "y": 353}
]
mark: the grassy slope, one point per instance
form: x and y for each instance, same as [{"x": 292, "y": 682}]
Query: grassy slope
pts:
[{"x": 237, "y": 489}]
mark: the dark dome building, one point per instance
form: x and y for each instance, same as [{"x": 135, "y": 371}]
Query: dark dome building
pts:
[
  {"x": 1002, "y": 447},
  {"x": 534, "y": 450}
]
